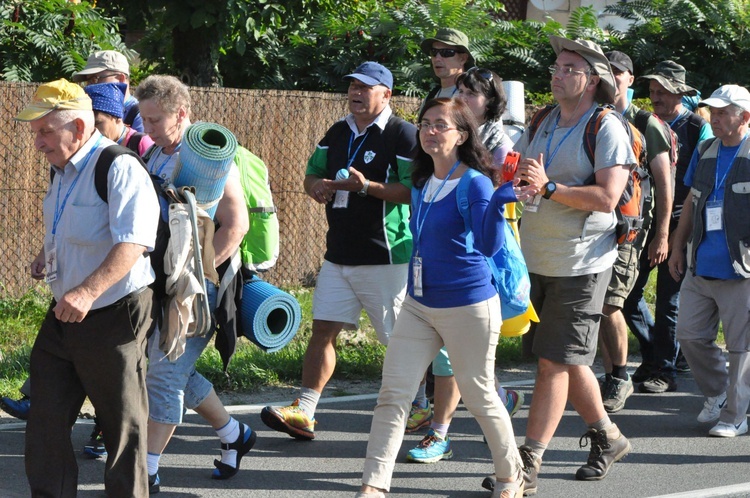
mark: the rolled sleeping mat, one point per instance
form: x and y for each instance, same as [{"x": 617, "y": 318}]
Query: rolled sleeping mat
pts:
[
  {"x": 514, "y": 117},
  {"x": 206, "y": 154},
  {"x": 270, "y": 316}
]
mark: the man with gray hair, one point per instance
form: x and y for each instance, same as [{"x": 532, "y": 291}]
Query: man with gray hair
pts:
[
  {"x": 714, "y": 226},
  {"x": 568, "y": 235},
  {"x": 92, "y": 340}
]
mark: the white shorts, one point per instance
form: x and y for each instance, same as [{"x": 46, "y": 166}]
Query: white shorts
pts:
[{"x": 342, "y": 292}]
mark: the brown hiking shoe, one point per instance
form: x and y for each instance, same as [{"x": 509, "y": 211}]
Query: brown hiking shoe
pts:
[{"x": 605, "y": 450}]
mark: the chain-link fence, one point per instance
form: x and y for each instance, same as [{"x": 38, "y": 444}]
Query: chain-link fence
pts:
[{"x": 281, "y": 127}]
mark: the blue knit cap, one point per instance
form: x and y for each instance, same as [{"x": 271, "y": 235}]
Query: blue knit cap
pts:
[{"x": 107, "y": 97}]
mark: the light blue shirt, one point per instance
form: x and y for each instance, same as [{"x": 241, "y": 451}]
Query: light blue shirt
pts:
[{"x": 88, "y": 228}]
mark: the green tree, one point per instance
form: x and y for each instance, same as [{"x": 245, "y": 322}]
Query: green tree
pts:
[
  {"x": 711, "y": 39},
  {"x": 43, "y": 40}
]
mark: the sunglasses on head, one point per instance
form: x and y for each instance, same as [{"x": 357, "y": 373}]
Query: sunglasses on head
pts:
[
  {"x": 484, "y": 73},
  {"x": 444, "y": 52}
]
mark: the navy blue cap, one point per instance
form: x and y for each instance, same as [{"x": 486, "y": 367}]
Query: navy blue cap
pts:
[{"x": 371, "y": 74}]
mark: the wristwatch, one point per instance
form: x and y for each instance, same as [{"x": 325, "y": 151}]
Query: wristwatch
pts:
[
  {"x": 549, "y": 189},
  {"x": 363, "y": 192}
]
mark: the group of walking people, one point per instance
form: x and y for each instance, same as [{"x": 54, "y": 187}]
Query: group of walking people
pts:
[{"x": 400, "y": 247}]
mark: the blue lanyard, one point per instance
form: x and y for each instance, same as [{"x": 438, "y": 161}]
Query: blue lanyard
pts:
[
  {"x": 429, "y": 205},
  {"x": 161, "y": 168},
  {"x": 60, "y": 208},
  {"x": 349, "y": 156},
  {"x": 547, "y": 156},
  {"x": 719, "y": 184}
]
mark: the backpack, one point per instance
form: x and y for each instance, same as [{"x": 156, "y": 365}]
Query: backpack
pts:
[
  {"x": 130, "y": 116},
  {"x": 630, "y": 208},
  {"x": 640, "y": 122},
  {"x": 101, "y": 170},
  {"x": 508, "y": 266},
  {"x": 260, "y": 246}
]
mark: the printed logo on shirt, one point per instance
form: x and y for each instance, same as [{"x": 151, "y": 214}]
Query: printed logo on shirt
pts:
[{"x": 369, "y": 156}]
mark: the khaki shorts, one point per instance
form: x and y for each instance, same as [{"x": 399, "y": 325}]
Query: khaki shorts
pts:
[
  {"x": 342, "y": 292},
  {"x": 624, "y": 275},
  {"x": 570, "y": 309}
]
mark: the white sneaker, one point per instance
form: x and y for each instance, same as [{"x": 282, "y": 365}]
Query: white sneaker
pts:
[
  {"x": 726, "y": 429},
  {"x": 712, "y": 408}
]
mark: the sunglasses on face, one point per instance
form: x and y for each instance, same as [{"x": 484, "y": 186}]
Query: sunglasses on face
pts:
[
  {"x": 445, "y": 53},
  {"x": 565, "y": 71}
]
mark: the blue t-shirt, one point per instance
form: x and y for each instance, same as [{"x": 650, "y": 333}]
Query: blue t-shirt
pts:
[
  {"x": 712, "y": 257},
  {"x": 450, "y": 276}
]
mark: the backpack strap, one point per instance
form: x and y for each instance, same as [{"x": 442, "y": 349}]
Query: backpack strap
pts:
[
  {"x": 537, "y": 118},
  {"x": 135, "y": 141},
  {"x": 106, "y": 157},
  {"x": 694, "y": 125},
  {"x": 641, "y": 120},
  {"x": 130, "y": 116},
  {"x": 462, "y": 199},
  {"x": 592, "y": 128}
]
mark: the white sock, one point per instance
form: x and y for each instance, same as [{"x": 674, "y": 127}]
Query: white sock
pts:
[
  {"x": 229, "y": 434},
  {"x": 308, "y": 401},
  {"x": 152, "y": 461}
]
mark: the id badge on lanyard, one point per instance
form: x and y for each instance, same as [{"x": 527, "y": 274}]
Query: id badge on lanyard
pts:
[
  {"x": 713, "y": 215},
  {"x": 50, "y": 263},
  {"x": 416, "y": 269}
]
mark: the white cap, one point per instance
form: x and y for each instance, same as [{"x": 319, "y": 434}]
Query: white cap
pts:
[{"x": 729, "y": 94}]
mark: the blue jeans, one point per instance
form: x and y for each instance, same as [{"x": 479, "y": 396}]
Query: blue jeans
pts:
[
  {"x": 657, "y": 335},
  {"x": 175, "y": 385}
]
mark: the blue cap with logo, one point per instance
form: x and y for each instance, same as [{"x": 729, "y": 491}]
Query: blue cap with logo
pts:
[{"x": 371, "y": 74}]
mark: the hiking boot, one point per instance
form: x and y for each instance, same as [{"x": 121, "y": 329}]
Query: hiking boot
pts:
[
  {"x": 531, "y": 465},
  {"x": 289, "y": 419},
  {"x": 726, "y": 429},
  {"x": 513, "y": 401},
  {"x": 153, "y": 484},
  {"x": 95, "y": 447},
  {"x": 616, "y": 393},
  {"x": 658, "y": 383},
  {"x": 605, "y": 450},
  {"x": 712, "y": 408},
  {"x": 418, "y": 417},
  {"x": 18, "y": 408},
  {"x": 641, "y": 374},
  {"x": 432, "y": 448}
]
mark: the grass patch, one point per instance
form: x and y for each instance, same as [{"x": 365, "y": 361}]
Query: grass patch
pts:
[{"x": 359, "y": 357}]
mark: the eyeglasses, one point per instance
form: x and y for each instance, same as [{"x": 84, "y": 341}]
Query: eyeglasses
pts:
[
  {"x": 93, "y": 80},
  {"x": 566, "y": 71},
  {"x": 484, "y": 73},
  {"x": 445, "y": 53},
  {"x": 437, "y": 127}
]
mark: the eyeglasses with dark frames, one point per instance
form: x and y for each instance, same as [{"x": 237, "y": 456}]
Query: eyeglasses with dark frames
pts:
[
  {"x": 93, "y": 80},
  {"x": 445, "y": 53}
]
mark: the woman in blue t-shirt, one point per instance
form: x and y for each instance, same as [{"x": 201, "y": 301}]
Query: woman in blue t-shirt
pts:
[{"x": 451, "y": 299}]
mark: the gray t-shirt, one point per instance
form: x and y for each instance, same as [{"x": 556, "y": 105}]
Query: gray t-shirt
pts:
[{"x": 557, "y": 240}]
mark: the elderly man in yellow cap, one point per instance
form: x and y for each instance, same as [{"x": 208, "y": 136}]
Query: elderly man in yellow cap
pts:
[{"x": 95, "y": 260}]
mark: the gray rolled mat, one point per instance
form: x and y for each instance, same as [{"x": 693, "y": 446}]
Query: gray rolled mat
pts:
[{"x": 206, "y": 154}]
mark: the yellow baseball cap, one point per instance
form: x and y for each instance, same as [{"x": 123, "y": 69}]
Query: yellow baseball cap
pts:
[{"x": 53, "y": 96}]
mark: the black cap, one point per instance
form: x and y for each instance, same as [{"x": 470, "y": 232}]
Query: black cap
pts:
[{"x": 620, "y": 61}]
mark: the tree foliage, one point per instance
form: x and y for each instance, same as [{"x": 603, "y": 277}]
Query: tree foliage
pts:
[
  {"x": 711, "y": 39},
  {"x": 43, "y": 40}
]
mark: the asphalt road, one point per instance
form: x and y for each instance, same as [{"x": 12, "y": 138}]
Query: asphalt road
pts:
[{"x": 672, "y": 456}]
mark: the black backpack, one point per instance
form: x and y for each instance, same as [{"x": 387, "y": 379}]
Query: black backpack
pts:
[{"x": 101, "y": 170}]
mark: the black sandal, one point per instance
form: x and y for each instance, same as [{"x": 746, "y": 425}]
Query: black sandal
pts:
[{"x": 243, "y": 445}]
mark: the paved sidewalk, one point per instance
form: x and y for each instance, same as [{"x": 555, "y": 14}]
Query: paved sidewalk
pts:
[{"x": 672, "y": 455}]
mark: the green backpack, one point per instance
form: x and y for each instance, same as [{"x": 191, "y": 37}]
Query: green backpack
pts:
[{"x": 260, "y": 247}]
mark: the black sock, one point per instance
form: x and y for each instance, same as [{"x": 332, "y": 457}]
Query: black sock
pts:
[{"x": 620, "y": 372}]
